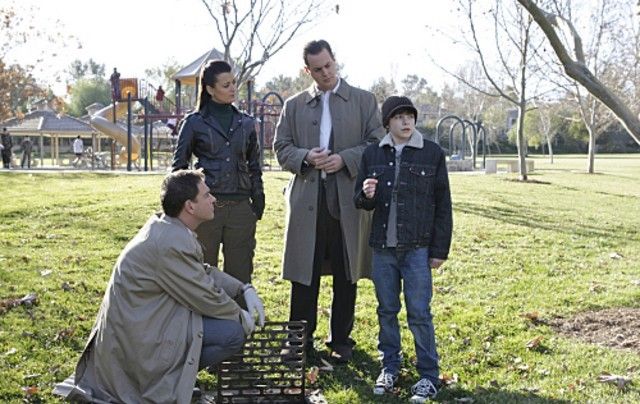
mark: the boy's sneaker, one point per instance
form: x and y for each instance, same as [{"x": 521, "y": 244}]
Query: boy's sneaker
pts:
[
  {"x": 423, "y": 391},
  {"x": 384, "y": 382}
]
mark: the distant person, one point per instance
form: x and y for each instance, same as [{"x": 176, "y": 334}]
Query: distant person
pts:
[
  {"x": 160, "y": 94},
  {"x": 404, "y": 181},
  {"x": 7, "y": 144},
  {"x": 165, "y": 313},
  {"x": 78, "y": 149},
  {"x": 225, "y": 143},
  {"x": 160, "y": 97},
  {"x": 172, "y": 123},
  {"x": 115, "y": 85},
  {"x": 320, "y": 138},
  {"x": 27, "y": 146}
]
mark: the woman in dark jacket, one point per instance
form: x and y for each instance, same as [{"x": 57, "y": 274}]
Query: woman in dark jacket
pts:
[{"x": 225, "y": 144}]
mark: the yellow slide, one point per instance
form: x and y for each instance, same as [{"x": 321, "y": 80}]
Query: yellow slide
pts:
[{"x": 103, "y": 121}]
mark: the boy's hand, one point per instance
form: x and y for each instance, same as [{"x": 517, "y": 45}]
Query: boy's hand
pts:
[
  {"x": 369, "y": 187},
  {"x": 435, "y": 263}
]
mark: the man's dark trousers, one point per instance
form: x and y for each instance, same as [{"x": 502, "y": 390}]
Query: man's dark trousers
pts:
[{"x": 304, "y": 299}]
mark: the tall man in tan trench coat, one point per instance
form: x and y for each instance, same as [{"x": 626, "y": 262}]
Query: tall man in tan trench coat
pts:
[
  {"x": 165, "y": 313},
  {"x": 320, "y": 138}
]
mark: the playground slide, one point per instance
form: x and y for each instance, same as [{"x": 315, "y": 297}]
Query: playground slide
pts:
[{"x": 103, "y": 121}]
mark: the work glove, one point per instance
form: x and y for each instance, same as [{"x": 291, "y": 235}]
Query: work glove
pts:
[
  {"x": 254, "y": 304},
  {"x": 257, "y": 204},
  {"x": 247, "y": 322}
]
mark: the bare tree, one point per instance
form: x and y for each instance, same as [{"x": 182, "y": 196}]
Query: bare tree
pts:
[
  {"x": 382, "y": 88},
  {"x": 253, "y": 31},
  {"x": 514, "y": 46},
  {"x": 576, "y": 67},
  {"x": 607, "y": 48}
]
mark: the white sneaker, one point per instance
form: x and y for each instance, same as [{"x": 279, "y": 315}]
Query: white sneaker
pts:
[
  {"x": 384, "y": 383},
  {"x": 423, "y": 391}
]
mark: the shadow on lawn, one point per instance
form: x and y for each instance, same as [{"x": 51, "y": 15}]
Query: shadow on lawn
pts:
[
  {"x": 361, "y": 373},
  {"x": 523, "y": 215},
  {"x": 493, "y": 395}
]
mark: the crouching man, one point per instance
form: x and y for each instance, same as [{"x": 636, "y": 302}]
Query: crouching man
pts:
[{"x": 165, "y": 313}]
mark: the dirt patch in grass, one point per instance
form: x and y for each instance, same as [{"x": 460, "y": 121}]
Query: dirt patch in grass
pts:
[{"x": 613, "y": 328}]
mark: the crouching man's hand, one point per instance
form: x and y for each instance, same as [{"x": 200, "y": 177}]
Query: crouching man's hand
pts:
[
  {"x": 254, "y": 303},
  {"x": 247, "y": 322}
]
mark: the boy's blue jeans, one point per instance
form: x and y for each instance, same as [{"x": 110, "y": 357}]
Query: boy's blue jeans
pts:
[{"x": 390, "y": 267}]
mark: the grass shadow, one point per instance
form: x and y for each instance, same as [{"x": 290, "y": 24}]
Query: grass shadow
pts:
[{"x": 516, "y": 214}]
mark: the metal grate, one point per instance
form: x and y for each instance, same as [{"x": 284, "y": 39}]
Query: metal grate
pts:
[{"x": 269, "y": 369}]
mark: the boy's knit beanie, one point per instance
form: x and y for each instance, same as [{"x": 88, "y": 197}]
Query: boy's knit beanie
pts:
[{"x": 395, "y": 103}]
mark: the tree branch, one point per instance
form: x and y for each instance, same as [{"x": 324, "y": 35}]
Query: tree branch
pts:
[{"x": 577, "y": 69}]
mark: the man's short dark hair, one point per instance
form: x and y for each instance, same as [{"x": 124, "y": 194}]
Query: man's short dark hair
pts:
[
  {"x": 177, "y": 188},
  {"x": 315, "y": 47}
]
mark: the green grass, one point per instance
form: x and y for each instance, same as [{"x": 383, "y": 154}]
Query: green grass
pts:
[{"x": 518, "y": 247}]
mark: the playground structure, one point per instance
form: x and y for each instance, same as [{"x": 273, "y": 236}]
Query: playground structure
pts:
[
  {"x": 138, "y": 148},
  {"x": 135, "y": 149},
  {"x": 458, "y": 151},
  {"x": 103, "y": 121}
]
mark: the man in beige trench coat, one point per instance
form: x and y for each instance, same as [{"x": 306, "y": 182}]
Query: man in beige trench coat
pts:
[
  {"x": 320, "y": 138},
  {"x": 165, "y": 313}
]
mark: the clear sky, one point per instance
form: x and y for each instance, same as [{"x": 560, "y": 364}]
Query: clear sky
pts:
[{"x": 370, "y": 38}]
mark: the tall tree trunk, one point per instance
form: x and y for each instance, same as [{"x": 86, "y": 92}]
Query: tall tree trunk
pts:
[
  {"x": 550, "y": 147},
  {"x": 592, "y": 149},
  {"x": 521, "y": 141}
]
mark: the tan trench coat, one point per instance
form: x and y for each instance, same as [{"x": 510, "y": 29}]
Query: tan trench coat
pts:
[
  {"x": 355, "y": 122},
  {"x": 146, "y": 343}
]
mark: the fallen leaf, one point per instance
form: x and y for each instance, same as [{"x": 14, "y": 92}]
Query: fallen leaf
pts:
[
  {"x": 29, "y": 299},
  {"x": 10, "y": 352},
  {"x": 30, "y": 390},
  {"x": 8, "y": 304},
  {"x": 543, "y": 372},
  {"x": 312, "y": 374},
  {"x": 532, "y": 315},
  {"x": 64, "y": 334},
  {"x": 45, "y": 272},
  {"x": 619, "y": 381},
  {"x": 464, "y": 400},
  {"x": 535, "y": 342},
  {"x": 447, "y": 379},
  {"x": 615, "y": 256}
]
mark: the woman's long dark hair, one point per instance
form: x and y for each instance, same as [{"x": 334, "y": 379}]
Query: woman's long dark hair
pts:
[{"x": 209, "y": 76}]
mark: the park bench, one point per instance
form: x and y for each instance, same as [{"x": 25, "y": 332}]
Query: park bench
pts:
[
  {"x": 491, "y": 166},
  {"x": 459, "y": 165}
]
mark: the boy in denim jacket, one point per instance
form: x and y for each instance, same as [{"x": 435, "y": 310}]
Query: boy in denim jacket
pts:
[{"x": 404, "y": 180}]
